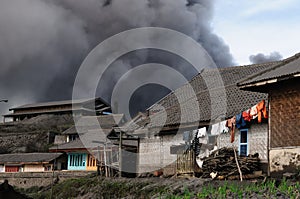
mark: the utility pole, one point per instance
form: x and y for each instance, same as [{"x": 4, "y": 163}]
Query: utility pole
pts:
[
  {"x": 120, "y": 155},
  {"x": 5, "y": 101}
]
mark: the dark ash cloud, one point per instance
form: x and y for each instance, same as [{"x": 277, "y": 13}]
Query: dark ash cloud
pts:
[
  {"x": 262, "y": 58},
  {"x": 43, "y": 42}
]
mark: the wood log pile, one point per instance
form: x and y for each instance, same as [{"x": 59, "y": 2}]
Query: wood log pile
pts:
[{"x": 222, "y": 163}]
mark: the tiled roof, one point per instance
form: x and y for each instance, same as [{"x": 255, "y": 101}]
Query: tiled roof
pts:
[
  {"x": 202, "y": 81},
  {"x": 285, "y": 69},
  {"x": 28, "y": 157},
  {"x": 233, "y": 101}
]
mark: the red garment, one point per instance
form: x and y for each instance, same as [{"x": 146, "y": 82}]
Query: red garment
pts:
[
  {"x": 231, "y": 124},
  {"x": 261, "y": 111},
  {"x": 246, "y": 115}
]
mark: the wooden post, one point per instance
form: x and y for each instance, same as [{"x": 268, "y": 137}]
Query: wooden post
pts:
[
  {"x": 98, "y": 160},
  {"x": 237, "y": 164},
  {"x": 105, "y": 162},
  {"x": 120, "y": 155}
]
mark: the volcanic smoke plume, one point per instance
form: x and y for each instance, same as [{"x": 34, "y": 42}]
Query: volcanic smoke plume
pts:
[
  {"x": 43, "y": 42},
  {"x": 262, "y": 58}
]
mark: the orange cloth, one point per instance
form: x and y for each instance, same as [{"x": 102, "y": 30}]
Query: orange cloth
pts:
[
  {"x": 246, "y": 115},
  {"x": 261, "y": 110},
  {"x": 231, "y": 124}
]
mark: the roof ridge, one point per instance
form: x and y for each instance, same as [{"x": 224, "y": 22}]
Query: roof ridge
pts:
[{"x": 281, "y": 63}]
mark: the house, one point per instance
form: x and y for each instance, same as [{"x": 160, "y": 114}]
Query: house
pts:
[
  {"x": 69, "y": 107},
  {"x": 282, "y": 83},
  {"x": 31, "y": 162},
  {"x": 83, "y": 155},
  {"x": 164, "y": 134},
  {"x": 86, "y": 142}
]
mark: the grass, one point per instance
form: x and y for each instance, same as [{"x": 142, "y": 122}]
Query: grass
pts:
[{"x": 135, "y": 188}]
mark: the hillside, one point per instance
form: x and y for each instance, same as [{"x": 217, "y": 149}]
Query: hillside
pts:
[{"x": 32, "y": 135}]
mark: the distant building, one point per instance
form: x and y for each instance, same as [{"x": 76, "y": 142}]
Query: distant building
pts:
[
  {"x": 78, "y": 107},
  {"x": 31, "y": 162}
]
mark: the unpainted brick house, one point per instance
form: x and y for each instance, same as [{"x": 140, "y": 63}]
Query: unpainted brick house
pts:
[{"x": 282, "y": 83}]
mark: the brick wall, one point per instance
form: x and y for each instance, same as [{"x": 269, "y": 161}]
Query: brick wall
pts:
[{"x": 285, "y": 117}]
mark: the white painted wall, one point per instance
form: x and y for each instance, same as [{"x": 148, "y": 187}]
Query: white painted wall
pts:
[
  {"x": 257, "y": 140},
  {"x": 154, "y": 152},
  {"x": 2, "y": 168},
  {"x": 33, "y": 168}
]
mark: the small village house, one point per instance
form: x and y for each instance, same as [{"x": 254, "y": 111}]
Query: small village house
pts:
[
  {"x": 282, "y": 83},
  {"x": 31, "y": 162},
  {"x": 159, "y": 145},
  {"x": 86, "y": 143}
]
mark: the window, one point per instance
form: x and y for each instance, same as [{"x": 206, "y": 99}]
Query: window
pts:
[
  {"x": 243, "y": 142},
  {"x": 77, "y": 160}
]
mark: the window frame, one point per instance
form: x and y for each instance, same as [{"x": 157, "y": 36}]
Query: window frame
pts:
[{"x": 244, "y": 143}]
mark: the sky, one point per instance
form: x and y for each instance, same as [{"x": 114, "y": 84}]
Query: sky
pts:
[{"x": 249, "y": 27}]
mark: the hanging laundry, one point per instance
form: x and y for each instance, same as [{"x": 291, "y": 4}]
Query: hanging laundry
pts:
[
  {"x": 246, "y": 115},
  {"x": 218, "y": 128},
  {"x": 231, "y": 124},
  {"x": 253, "y": 112},
  {"x": 196, "y": 146},
  {"x": 240, "y": 122},
  {"x": 203, "y": 140},
  {"x": 223, "y": 127},
  {"x": 215, "y": 129},
  {"x": 201, "y": 132},
  {"x": 261, "y": 111}
]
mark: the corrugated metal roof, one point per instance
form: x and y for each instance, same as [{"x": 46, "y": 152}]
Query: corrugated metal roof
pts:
[
  {"x": 58, "y": 103},
  {"x": 76, "y": 144},
  {"x": 287, "y": 68},
  {"x": 28, "y": 157}
]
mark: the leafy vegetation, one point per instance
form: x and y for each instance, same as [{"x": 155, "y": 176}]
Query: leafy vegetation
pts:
[{"x": 94, "y": 187}]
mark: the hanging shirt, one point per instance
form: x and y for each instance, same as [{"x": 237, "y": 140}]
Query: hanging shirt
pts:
[
  {"x": 261, "y": 111},
  {"x": 201, "y": 132},
  {"x": 240, "y": 122},
  {"x": 231, "y": 124},
  {"x": 203, "y": 140},
  {"x": 223, "y": 127},
  {"x": 218, "y": 128},
  {"x": 246, "y": 115},
  {"x": 215, "y": 129},
  {"x": 253, "y": 112}
]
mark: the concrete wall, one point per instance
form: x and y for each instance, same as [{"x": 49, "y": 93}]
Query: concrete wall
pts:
[
  {"x": 257, "y": 140},
  {"x": 154, "y": 152},
  {"x": 284, "y": 160},
  {"x": 2, "y": 168},
  {"x": 33, "y": 168},
  {"x": 30, "y": 179}
]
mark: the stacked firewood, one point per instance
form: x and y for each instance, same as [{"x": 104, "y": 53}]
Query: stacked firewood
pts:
[{"x": 222, "y": 164}]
